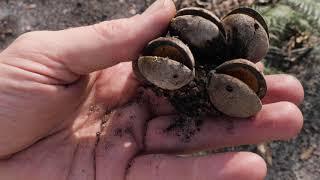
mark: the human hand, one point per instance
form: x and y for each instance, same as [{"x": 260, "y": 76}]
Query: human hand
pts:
[{"x": 56, "y": 89}]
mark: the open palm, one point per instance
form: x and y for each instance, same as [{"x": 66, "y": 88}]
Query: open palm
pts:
[{"x": 70, "y": 110}]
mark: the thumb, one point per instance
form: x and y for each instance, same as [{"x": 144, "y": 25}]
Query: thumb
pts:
[{"x": 86, "y": 49}]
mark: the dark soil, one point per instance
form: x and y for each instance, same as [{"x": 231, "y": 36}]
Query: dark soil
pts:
[
  {"x": 184, "y": 127},
  {"x": 192, "y": 100},
  {"x": 297, "y": 159}
]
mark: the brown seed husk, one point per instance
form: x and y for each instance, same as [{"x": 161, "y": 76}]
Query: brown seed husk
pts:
[
  {"x": 254, "y": 14},
  {"x": 246, "y": 36},
  {"x": 162, "y": 72},
  {"x": 203, "y": 36},
  {"x": 232, "y": 97},
  {"x": 172, "y": 48},
  {"x": 247, "y": 72},
  {"x": 195, "y": 11},
  {"x": 191, "y": 100}
]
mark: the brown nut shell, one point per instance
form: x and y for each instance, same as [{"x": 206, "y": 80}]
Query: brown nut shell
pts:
[
  {"x": 206, "y": 14},
  {"x": 203, "y": 36},
  {"x": 246, "y": 34},
  {"x": 202, "y": 31},
  {"x": 247, "y": 72},
  {"x": 163, "y": 72},
  {"x": 254, "y": 14},
  {"x": 172, "y": 48},
  {"x": 232, "y": 97}
]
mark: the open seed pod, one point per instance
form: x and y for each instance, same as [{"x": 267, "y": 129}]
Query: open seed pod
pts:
[
  {"x": 166, "y": 63},
  {"x": 247, "y": 72},
  {"x": 236, "y": 87},
  {"x": 246, "y": 34},
  {"x": 201, "y": 30}
]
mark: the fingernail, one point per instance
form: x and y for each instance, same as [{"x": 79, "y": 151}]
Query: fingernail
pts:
[{"x": 158, "y": 5}]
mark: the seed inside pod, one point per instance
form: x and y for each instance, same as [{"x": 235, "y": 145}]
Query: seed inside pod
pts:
[
  {"x": 195, "y": 11},
  {"x": 232, "y": 97},
  {"x": 247, "y": 72},
  {"x": 172, "y": 48},
  {"x": 246, "y": 34},
  {"x": 166, "y": 63},
  {"x": 201, "y": 30}
]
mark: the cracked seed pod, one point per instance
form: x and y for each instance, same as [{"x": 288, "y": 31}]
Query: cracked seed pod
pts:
[
  {"x": 201, "y": 30},
  {"x": 236, "y": 87},
  {"x": 247, "y": 72},
  {"x": 233, "y": 97},
  {"x": 246, "y": 34},
  {"x": 166, "y": 63}
]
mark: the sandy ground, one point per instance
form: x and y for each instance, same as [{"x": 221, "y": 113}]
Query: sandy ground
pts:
[{"x": 297, "y": 159}]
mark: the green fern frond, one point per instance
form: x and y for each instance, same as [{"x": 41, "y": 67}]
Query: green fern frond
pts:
[
  {"x": 308, "y": 9},
  {"x": 282, "y": 20},
  {"x": 287, "y": 20}
]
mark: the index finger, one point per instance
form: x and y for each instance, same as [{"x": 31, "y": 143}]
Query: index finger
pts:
[{"x": 86, "y": 49}]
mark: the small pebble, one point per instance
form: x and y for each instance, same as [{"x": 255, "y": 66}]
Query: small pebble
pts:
[
  {"x": 132, "y": 11},
  {"x": 31, "y": 6}
]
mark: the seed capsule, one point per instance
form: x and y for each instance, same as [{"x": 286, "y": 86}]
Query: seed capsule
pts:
[
  {"x": 246, "y": 34},
  {"x": 172, "y": 48},
  {"x": 232, "y": 97},
  {"x": 164, "y": 72},
  {"x": 166, "y": 63},
  {"x": 247, "y": 72},
  {"x": 201, "y": 30}
]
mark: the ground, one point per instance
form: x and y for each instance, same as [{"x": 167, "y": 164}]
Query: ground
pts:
[{"x": 296, "y": 159}]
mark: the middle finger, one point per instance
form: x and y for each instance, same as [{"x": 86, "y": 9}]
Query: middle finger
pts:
[
  {"x": 281, "y": 87},
  {"x": 275, "y": 121}
]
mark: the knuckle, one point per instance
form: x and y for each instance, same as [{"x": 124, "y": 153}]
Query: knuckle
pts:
[
  {"x": 114, "y": 28},
  {"x": 26, "y": 41},
  {"x": 109, "y": 29},
  {"x": 27, "y": 36}
]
